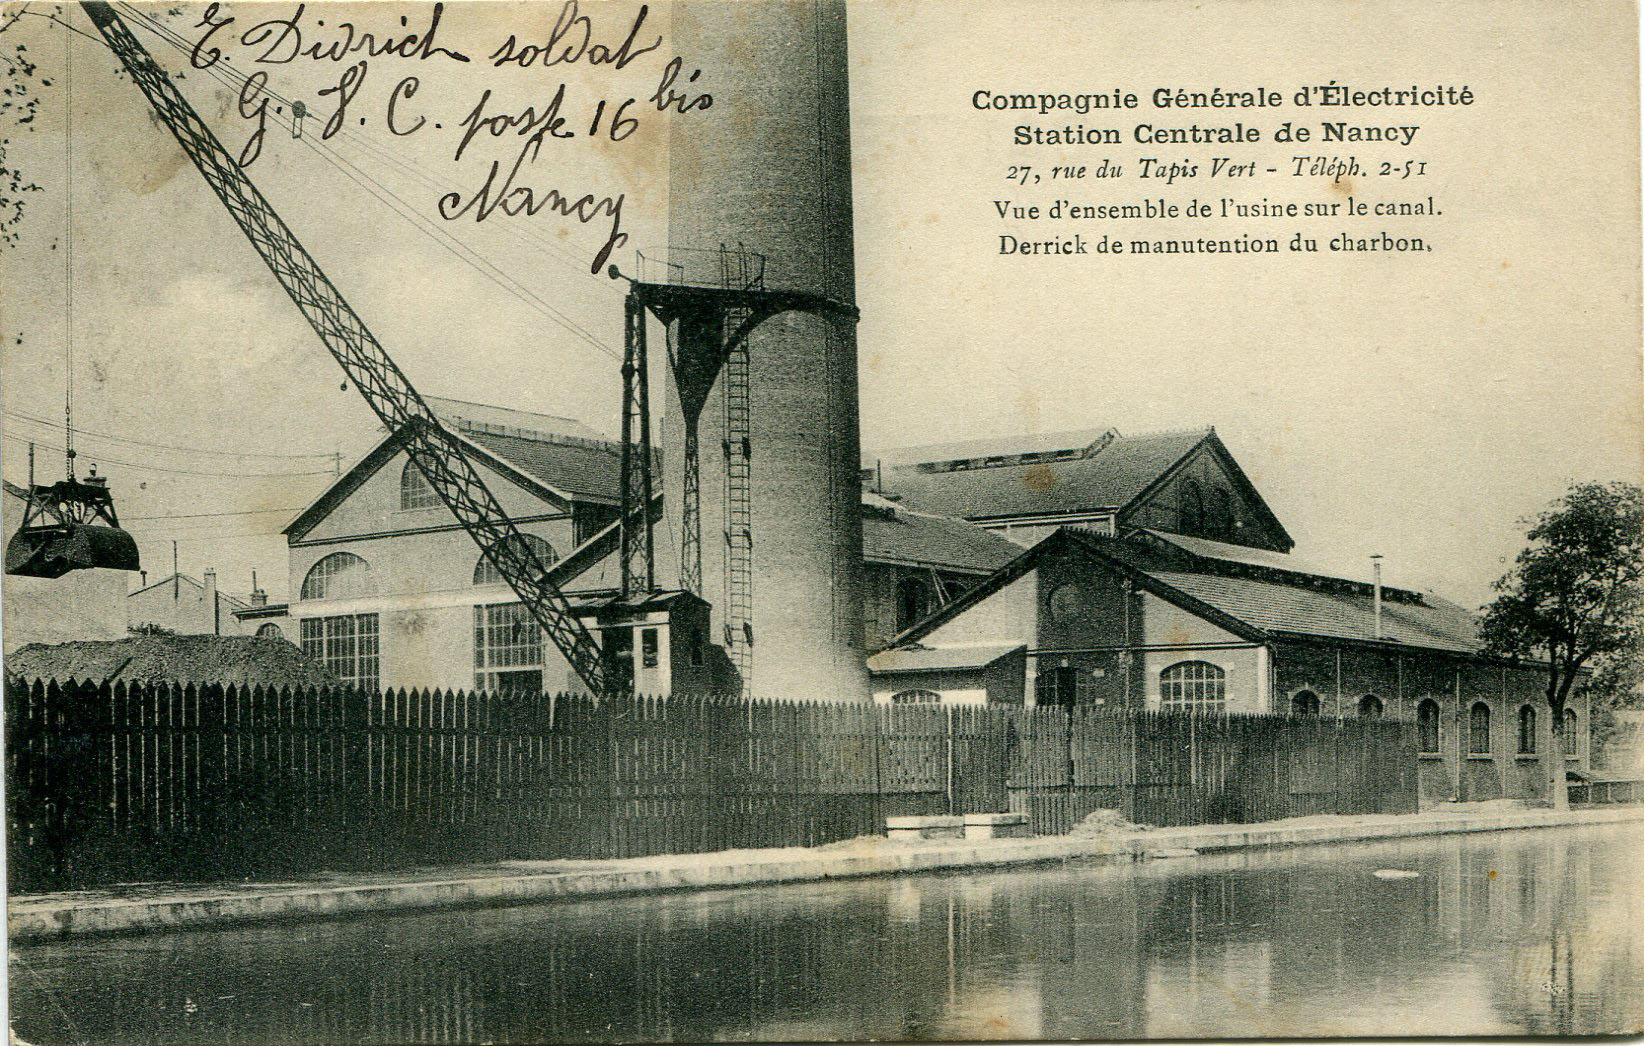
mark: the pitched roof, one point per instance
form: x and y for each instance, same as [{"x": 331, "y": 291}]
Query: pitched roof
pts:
[
  {"x": 581, "y": 469},
  {"x": 1110, "y": 476},
  {"x": 1265, "y": 591},
  {"x": 1290, "y": 608},
  {"x": 891, "y": 534},
  {"x": 234, "y": 601},
  {"x": 1258, "y": 601},
  {"x": 940, "y": 659},
  {"x": 185, "y": 659}
]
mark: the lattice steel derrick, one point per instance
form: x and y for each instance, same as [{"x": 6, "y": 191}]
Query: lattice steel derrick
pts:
[
  {"x": 638, "y": 557},
  {"x": 436, "y": 453}
]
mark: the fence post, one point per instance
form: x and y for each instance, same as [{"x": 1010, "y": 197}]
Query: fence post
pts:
[{"x": 949, "y": 710}]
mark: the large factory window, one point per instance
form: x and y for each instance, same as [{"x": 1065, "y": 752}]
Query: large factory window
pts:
[
  {"x": 507, "y": 650},
  {"x": 1305, "y": 703},
  {"x": 345, "y": 646},
  {"x": 337, "y": 576},
  {"x": 1194, "y": 686},
  {"x": 414, "y": 489},
  {"x": 1370, "y": 707},
  {"x": 1572, "y": 743},
  {"x": 269, "y": 631},
  {"x": 485, "y": 572}
]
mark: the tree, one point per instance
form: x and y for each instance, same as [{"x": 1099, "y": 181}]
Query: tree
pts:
[{"x": 1573, "y": 597}]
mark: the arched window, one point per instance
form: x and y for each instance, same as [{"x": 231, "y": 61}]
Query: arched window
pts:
[
  {"x": 414, "y": 489},
  {"x": 1221, "y": 513},
  {"x": 1370, "y": 707},
  {"x": 1572, "y": 744},
  {"x": 1304, "y": 703},
  {"x": 338, "y": 576},
  {"x": 1192, "y": 513},
  {"x": 1478, "y": 730},
  {"x": 1527, "y": 730},
  {"x": 912, "y": 601},
  {"x": 1427, "y": 727},
  {"x": 916, "y": 697},
  {"x": 270, "y": 631},
  {"x": 485, "y": 572},
  {"x": 1197, "y": 686}
]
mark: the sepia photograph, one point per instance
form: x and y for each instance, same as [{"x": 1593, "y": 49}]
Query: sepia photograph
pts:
[{"x": 821, "y": 520}]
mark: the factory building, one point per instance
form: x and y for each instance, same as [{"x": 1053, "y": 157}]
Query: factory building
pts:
[
  {"x": 1024, "y": 488},
  {"x": 388, "y": 590},
  {"x": 1124, "y": 614}
]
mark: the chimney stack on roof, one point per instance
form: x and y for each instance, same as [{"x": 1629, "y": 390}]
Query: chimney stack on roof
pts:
[
  {"x": 1375, "y": 569},
  {"x": 211, "y": 601},
  {"x": 259, "y": 598}
]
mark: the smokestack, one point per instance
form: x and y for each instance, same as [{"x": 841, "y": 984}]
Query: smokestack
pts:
[
  {"x": 259, "y": 598},
  {"x": 211, "y": 600},
  {"x": 1375, "y": 570},
  {"x": 768, "y": 168}
]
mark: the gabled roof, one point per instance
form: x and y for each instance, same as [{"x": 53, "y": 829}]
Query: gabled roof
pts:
[
  {"x": 583, "y": 470},
  {"x": 892, "y": 534},
  {"x": 1257, "y": 601},
  {"x": 234, "y": 601},
  {"x": 392, "y": 444},
  {"x": 1109, "y": 474}
]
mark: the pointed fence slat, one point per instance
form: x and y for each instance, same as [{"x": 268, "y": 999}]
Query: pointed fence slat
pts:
[{"x": 198, "y": 782}]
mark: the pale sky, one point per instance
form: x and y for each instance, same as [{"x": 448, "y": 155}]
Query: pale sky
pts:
[{"x": 1414, "y": 405}]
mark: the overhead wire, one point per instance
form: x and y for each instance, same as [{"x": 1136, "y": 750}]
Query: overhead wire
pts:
[
  {"x": 234, "y": 80},
  {"x": 189, "y": 472},
  {"x": 109, "y": 437}
]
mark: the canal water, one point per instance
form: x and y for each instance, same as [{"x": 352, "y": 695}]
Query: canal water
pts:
[{"x": 1522, "y": 933}]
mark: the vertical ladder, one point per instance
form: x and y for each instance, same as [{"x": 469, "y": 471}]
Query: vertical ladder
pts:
[{"x": 738, "y": 448}]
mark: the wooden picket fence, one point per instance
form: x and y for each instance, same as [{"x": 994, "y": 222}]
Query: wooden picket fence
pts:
[{"x": 165, "y": 781}]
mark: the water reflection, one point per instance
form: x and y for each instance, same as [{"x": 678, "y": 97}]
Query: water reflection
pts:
[{"x": 1515, "y": 933}]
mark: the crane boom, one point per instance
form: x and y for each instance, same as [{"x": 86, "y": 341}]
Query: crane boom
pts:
[{"x": 438, "y": 455}]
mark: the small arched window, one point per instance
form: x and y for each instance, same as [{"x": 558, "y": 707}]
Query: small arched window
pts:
[
  {"x": 1478, "y": 730},
  {"x": 912, "y": 601},
  {"x": 1572, "y": 745},
  {"x": 1194, "y": 686},
  {"x": 414, "y": 489},
  {"x": 1370, "y": 707},
  {"x": 270, "y": 631},
  {"x": 916, "y": 697},
  {"x": 1304, "y": 703},
  {"x": 1192, "y": 513},
  {"x": 486, "y": 573},
  {"x": 1427, "y": 727},
  {"x": 1527, "y": 730},
  {"x": 338, "y": 576},
  {"x": 1221, "y": 513}
]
